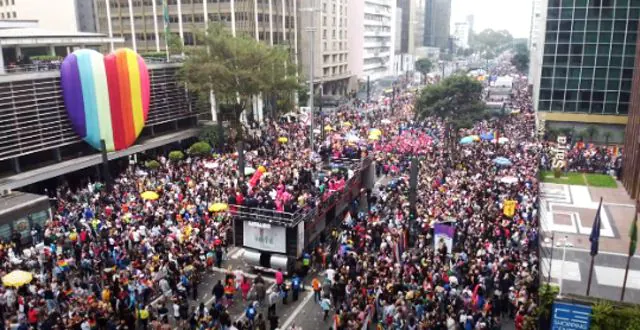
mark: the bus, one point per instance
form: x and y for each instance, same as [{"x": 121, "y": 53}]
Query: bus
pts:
[{"x": 21, "y": 212}]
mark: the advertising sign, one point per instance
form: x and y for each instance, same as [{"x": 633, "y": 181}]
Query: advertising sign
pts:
[
  {"x": 567, "y": 316},
  {"x": 264, "y": 237},
  {"x": 443, "y": 232}
]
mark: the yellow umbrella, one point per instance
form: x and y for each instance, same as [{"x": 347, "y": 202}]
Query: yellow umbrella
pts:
[
  {"x": 346, "y": 124},
  {"x": 375, "y": 131},
  {"x": 475, "y": 138},
  {"x": 374, "y": 137},
  {"x": 262, "y": 169},
  {"x": 328, "y": 128},
  {"x": 17, "y": 278},
  {"x": 150, "y": 195},
  {"x": 283, "y": 139},
  {"x": 218, "y": 207}
]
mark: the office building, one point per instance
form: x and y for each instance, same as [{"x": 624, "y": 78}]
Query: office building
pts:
[
  {"x": 142, "y": 25},
  {"x": 471, "y": 21},
  {"x": 331, "y": 68},
  {"x": 587, "y": 65},
  {"x": 536, "y": 43},
  {"x": 437, "y": 19},
  {"x": 58, "y": 15},
  {"x": 371, "y": 38},
  {"x": 461, "y": 35},
  {"x": 418, "y": 25},
  {"x": 631, "y": 155}
]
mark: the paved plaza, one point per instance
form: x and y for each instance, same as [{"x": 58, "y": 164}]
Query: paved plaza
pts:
[{"x": 569, "y": 211}]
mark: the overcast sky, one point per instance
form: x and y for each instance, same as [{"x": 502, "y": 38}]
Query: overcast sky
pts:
[{"x": 511, "y": 15}]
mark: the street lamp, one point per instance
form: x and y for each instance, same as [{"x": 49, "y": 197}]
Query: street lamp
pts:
[{"x": 443, "y": 64}]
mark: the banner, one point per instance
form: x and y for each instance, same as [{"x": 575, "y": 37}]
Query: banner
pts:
[
  {"x": 509, "y": 208},
  {"x": 443, "y": 233}
]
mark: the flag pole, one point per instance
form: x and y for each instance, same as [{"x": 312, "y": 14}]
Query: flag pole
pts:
[
  {"x": 590, "y": 275},
  {"x": 633, "y": 235},
  {"x": 595, "y": 240}
]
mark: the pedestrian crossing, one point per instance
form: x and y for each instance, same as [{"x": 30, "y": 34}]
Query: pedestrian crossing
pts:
[{"x": 602, "y": 275}]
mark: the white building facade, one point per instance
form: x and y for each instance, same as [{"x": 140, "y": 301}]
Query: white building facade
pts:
[
  {"x": 536, "y": 46},
  {"x": 372, "y": 25},
  {"x": 461, "y": 34},
  {"x": 55, "y": 15}
]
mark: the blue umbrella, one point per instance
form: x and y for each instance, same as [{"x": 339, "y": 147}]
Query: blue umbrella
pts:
[
  {"x": 502, "y": 161},
  {"x": 487, "y": 136},
  {"x": 466, "y": 140}
]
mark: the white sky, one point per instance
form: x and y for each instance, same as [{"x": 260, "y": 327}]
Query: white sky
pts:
[{"x": 511, "y": 15}]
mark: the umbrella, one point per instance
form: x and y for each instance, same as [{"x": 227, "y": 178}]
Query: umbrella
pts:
[
  {"x": 249, "y": 170},
  {"x": 149, "y": 195},
  {"x": 509, "y": 179},
  {"x": 466, "y": 140},
  {"x": 283, "y": 139},
  {"x": 487, "y": 136},
  {"x": 475, "y": 137},
  {"x": 347, "y": 124},
  {"x": 374, "y": 137},
  {"x": 328, "y": 128},
  {"x": 262, "y": 169},
  {"x": 353, "y": 138},
  {"x": 375, "y": 131},
  {"x": 503, "y": 140},
  {"x": 386, "y": 121},
  {"x": 218, "y": 207},
  {"x": 502, "y": 161},
  {"x": 17, "y": 278}
]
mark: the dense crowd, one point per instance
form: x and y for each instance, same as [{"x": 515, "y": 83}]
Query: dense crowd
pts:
[{"x": 105, "y": 255}]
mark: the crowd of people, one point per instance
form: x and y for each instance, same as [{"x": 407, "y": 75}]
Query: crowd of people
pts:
[{"x": 105, "y": 255}]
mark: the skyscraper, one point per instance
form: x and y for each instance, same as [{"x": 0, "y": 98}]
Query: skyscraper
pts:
[
  {"x": 437, "y": 20},
  {"x": 587, "y": 64}
]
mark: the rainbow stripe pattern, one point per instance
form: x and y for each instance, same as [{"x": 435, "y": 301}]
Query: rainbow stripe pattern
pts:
[{"x": 107, "y": 97}]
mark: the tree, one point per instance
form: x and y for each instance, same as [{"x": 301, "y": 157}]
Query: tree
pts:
[
  {"x": 303, "y": 94},
  {"x": 236, "y": 69},
  {"x": 490, "y": 39},
  {"x": 457, "y": 100},
  {"x": 424, "y": 66},
  {"x": 200, "y": 148},
  {"x": 212, "y": 134},
  {"x": 521, "y": 58},
  {"x": 607, "y": 135},
  {"x": 176, "y": 155},
  {"x": 591, "y": 132}
]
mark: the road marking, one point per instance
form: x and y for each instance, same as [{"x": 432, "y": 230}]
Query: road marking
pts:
[
  {"x": 296, "y": 311},
  {"x": 587, "y": 250},
  {"x": 610, "y": 276},
  {"x": 571, "y": 269}
]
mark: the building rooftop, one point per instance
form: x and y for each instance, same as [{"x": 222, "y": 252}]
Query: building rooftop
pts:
[{"x": 38, "y": 36}]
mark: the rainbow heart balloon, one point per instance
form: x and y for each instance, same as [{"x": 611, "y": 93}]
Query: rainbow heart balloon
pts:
[{"x": 107, "y": 97}]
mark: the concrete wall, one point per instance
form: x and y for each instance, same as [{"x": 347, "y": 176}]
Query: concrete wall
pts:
[{"x": 58, "y": 15}]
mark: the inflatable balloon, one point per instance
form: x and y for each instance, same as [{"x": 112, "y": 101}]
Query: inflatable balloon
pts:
[{"x": 107, "y": 97}]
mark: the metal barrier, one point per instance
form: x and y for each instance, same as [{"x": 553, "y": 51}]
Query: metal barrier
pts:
[{"x": 55, "y": 65}]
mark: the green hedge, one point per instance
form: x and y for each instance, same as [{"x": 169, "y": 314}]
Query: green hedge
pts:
[
  {"x": 152, "y": 164},
  {"x": 45, "y": 58},
  {"x": 199, "y": 148},
  {"x": 176, "y": 155},
  {"x": 154, "y": 54},
  {"x": 607, "y": 316}
]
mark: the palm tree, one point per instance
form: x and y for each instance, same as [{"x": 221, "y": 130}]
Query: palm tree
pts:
[
  {"x": 591, "y": 131},
  {"x": 607, "y": 135}
]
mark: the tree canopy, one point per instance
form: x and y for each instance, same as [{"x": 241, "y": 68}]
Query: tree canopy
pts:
[
  {"x": 237, "y": 68},
  {"x": 490, "y": 40},
  {"x": 457, "y": 99},
  {"x": 424, "y": 65},
  {"x": 521, "y": 58}
]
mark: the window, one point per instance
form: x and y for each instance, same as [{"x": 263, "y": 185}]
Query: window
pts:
[
  {"x": 2, "y": 15},
  {"x": 14, "y": 14},
  {"x": 324, "y": 34}
]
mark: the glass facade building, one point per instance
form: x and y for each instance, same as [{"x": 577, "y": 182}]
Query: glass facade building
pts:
[{"x": 589, "y": 55}]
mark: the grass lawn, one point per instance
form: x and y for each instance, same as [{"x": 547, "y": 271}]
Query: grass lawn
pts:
[
  {"x": 580, "y": 179},
  {"x": 601, "y": 180},
  {"x": 571, "y": 178}
]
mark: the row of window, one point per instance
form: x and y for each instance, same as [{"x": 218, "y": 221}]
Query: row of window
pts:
[
  {"x": 7, "y": 2},
  {"x": 586, "y": 83},
  {"x": 591, "y": 37},
  {"x": 222, "y": 17},
  {"x": 589, "y": 49},
  {"x": 138, "y": 3},
  {"x": 8, "y": 15},
  {"x": 341, "y": 23},
  {"x": 592, "y": 3},
  {"x": 585, "y": 95},
  {"x": 599, "y": 13},
  {"x": 342, "y": 34},
  {"x": 337, "y": 45},
  {"x": 589, "y": 61},
  {"x": 585, "y": 107},
  {"x": 339, "y": 69},
  {"x": 577, "y": 72},
  {"x": 336, "y": 58},
  {"x": 592, "y": 25},
  {"x": 189, "y": 37}
]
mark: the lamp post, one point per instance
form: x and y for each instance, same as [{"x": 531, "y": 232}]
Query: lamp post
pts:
[
  {"x": 312, "y": 33},
  {"x": 442, "y": 64}
]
